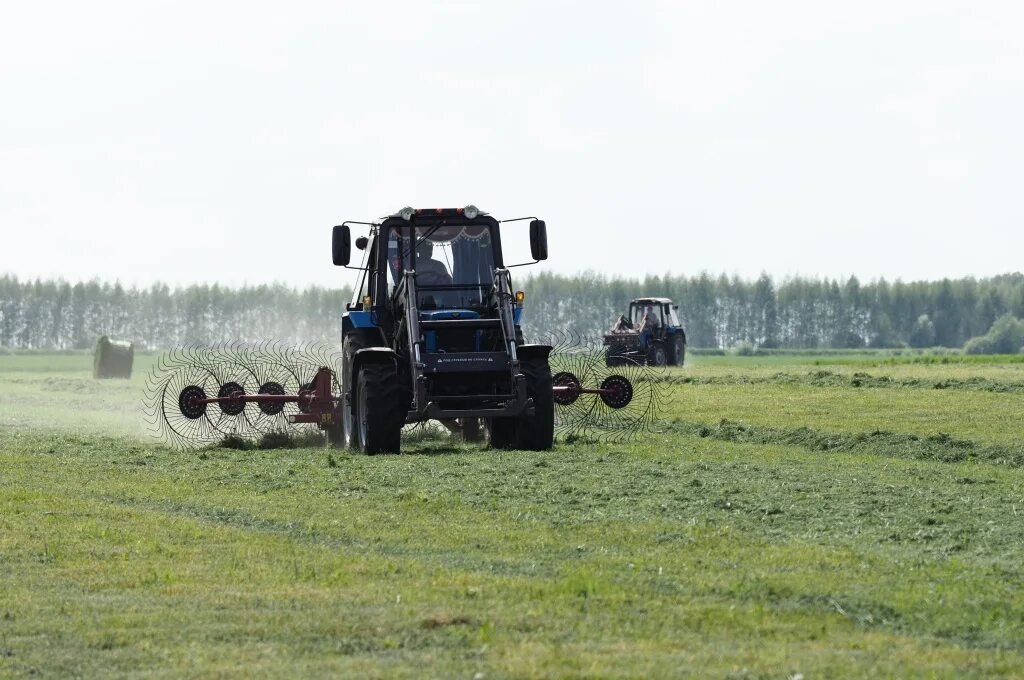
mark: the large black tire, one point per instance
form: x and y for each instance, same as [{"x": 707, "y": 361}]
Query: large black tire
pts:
[
  {"x": 657, "y": 355},
  {"x": 380, "y": 408},
  {"x": 537, "y": 432},
  {"x": 678, "y": 350}
]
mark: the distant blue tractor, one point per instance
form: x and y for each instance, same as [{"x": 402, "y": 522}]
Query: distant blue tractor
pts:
[{"x": 650, "y": 334}]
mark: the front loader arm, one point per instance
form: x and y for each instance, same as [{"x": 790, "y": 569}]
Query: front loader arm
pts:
[{"x": 503, "y": 297}]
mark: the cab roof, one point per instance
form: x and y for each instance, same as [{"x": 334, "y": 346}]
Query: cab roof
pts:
[
  {"x": 469, "y": 212},
  {"x": 651, "y": 300}
]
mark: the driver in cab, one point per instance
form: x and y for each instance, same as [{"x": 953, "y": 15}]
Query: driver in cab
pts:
[
  {"x": 648, "y": 325},
  {"x": 430, "y": 272}
]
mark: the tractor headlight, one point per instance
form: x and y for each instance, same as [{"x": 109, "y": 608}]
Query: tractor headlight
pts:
[
  {"x": 471, "y": 211},
  {"x": 406, "y": 213}
]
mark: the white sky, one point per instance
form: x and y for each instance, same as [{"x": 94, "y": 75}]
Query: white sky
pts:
[{"x": 205, "y": 141}]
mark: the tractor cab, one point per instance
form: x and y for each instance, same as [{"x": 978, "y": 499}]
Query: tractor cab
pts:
[
  {"x": 663, "y": 310},
  {"x": 650, "y": 333},
  {"x": 455, "y": 281}
]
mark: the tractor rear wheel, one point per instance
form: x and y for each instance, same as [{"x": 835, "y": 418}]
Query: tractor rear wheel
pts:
[
  {"x": 537, "y": 432},
  {"x": 379, "y": 411},
  {"x": 656, "y": 355}
]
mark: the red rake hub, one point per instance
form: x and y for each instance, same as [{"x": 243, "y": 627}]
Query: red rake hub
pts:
[
  {"x": 271, "y": 408},
  {"x": 305, "y": 392},
  {"x": 192, "y": 402},
  {"x": 570, "y": 385},
  {"x": 231, "y": 407},
  {"x": 616, "y": 391}
]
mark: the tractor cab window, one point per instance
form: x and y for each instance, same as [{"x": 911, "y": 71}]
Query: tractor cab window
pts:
[
  {"x": 454, "y": 264},
  {"x": 641, "y": 309},
  {"x": 397, "y": 244},
  {"x": 673, "y": 317}
]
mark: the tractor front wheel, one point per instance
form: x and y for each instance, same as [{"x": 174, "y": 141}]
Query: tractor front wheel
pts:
[
  {"x": 379, "y": 411},
  {"x": 537, "y": 432}
]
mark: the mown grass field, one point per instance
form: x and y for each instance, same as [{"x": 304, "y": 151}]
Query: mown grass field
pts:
[{"x": 824, "y": 517}]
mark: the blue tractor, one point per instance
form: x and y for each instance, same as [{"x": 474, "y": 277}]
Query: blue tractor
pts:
[
  {"x": 432, "y": 333},
  {"x": 649, "y": 334}
]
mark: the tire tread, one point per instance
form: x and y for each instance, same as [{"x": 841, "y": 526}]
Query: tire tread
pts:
[{"x": 385, "y": 410}]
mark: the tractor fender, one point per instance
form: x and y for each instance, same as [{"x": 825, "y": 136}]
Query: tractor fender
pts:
[
  {"x": 360, "y": 323},
  {"x": 358, "y": 319},
  {"x": 369, "y": 355},
  {"x": 533, "y": 351}
]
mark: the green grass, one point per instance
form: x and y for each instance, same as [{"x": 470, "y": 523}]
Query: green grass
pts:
[
  {"x": 981, "y": 416},
  {"x": 854, "y": 358},
  {"x": 735, "y": 552}
]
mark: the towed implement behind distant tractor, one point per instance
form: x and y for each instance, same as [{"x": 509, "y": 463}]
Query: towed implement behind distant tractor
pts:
[{"x": 432, "y": 333}]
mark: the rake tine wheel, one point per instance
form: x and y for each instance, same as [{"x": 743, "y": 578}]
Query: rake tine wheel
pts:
[
  {"x": 186, "y": 367},
  {"x": 632, "y": 397},
  {"x": 272, "y": 375},
  {"x": 183, "y": 377}
]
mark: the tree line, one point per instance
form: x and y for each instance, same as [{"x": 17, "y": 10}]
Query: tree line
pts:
[
  {"x": 717, "y": 311},
  {"x": 48, "y": 314},
  {"x": 806, "y": 313}
]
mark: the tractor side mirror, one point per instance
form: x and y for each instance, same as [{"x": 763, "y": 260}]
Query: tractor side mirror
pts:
[
  {"x": 539, "y": 240},
  {"x": 361, "y": 242},
  {"x": 341, "y": 245}
]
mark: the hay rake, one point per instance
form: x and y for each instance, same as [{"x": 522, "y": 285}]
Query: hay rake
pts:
[{"x": 200, "y": 396}]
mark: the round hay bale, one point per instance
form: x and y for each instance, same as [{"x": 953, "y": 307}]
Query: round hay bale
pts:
[{"x": 113, "y": 358}]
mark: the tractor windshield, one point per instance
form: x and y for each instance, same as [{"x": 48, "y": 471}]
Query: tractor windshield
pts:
[
  {"x": 454, "y": 264},
  {"x": 638, "y": 311}
]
